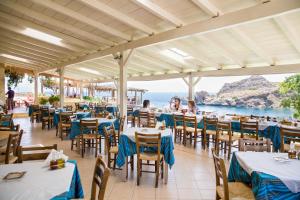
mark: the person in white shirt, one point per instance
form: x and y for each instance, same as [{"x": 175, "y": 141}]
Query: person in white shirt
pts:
[
  {"x": 192, "y": 108},
  {"x": 176, "y": 107},
  {"x": 145, "y": 108}
]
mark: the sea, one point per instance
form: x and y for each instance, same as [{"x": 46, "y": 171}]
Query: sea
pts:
[{"x": 162, "y": 99}]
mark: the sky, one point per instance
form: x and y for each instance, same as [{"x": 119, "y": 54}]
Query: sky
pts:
[{"x": 210, "y": 84}]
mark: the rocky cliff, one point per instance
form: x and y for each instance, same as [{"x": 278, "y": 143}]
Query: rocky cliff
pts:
[{"x": 255, "y": 91}]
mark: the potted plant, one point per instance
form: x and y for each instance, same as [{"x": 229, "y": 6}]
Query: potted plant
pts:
[
  {"x": 14, "y": 78},
  {"x": 43, "y": 101},
  {"x": 53, "y": 100}
]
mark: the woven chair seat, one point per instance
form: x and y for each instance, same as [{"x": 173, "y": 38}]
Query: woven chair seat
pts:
[
  {"x": 149, "y": 156},
  {"x": 237, "y": 190}
]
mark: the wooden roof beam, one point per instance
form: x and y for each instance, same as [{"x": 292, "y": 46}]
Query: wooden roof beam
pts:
[
  {"x": 102, "y": 7},
  {"x": 250, "y": 14},
  {"x": 208, "y": 7},
  {"x": 159, "y": 12},
  {"x": 75, "y": 15}
]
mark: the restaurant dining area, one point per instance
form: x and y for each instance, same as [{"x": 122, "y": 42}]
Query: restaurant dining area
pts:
[{"x": 85, "y": 133}]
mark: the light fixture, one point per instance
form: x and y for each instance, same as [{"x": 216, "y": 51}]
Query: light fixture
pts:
[
  {"x": 89, "y": 70},
  {"x": 176, "y": 54},
  {"x": 179, "y": 52},
  {"x": 15, "y": 58},
  {"x": 42, "y": 36}
]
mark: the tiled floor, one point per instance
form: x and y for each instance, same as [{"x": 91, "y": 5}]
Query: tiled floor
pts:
[{"x": 191, "y": 177}]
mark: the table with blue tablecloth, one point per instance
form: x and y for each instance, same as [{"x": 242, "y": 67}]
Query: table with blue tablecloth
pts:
[
  {"x": 103, "y": 122},
  {"x": 41, "y": 183},
  {"x": 112, "y": 109},
  {"x": 127, "y": 145},
  {"x": 266, "y": 185},
  {"x": 79, "y": 115}
]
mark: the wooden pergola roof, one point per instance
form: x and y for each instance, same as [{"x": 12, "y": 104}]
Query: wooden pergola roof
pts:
[{"x": 170, "y": 38}]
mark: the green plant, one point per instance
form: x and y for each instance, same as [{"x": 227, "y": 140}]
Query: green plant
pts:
[
  {"x": 49, "y": 83},
  {"x": 43, "y": 100},
  {"x": 14, "y": 78},
  {"x": 53, "y": 98},
  {"x": 87, "y": 98},
  {"x": 291, "y": 87}
]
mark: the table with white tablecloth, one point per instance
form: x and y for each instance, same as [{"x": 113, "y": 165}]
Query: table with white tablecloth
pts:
[
  {"x": 39, "y": 182},
  {"x": 268, "y": 176}
]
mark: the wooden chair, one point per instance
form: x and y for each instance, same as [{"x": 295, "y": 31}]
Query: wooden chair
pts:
[
  {"x": 208, "y": 134},
  {"x": 289, "y": 134},
  {"x": 225, "y": 136},
  {"x": 35, "y": 114},
  {"x": 249, "y": 129},
  {"x": 151, "y": 121},
  {"x": 111, "y": 145},
  {"x": 255, "y": 145},
  {"x": 178, "y": 127},
  {"x": 35, "y": 152},
  {"x": 47, "y": 117},
  {"x": 64, "y": 123},
  {"x": 229, "y": 190},
  {"x": 143, "y": 119},
  {"x": 68, "y": 108},
  {"x": 6, "y": 122},
  {"x": 92, "y": 137},
  {"x": 11, "y": 153},
  {"x": 145, "y": 142},
  {"x": 121, "y": 127},
  {"x": 190, "y": 128},
  {"x": 130, "y": 117},
  {"x": 100, "y": 178},
  {"x": 77, "y": 107}
]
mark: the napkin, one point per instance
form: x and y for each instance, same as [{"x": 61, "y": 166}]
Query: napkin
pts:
[{"x": 54, "y": 155}]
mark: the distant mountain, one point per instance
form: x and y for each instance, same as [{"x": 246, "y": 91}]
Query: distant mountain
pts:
[{"x": 255, "y": 91}]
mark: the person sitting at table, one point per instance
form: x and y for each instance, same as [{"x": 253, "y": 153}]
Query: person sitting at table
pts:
[
  {"x": 192, "y": 108},
  {"x": 176, "y": 106},
  {"x": 145, "y": 108}
]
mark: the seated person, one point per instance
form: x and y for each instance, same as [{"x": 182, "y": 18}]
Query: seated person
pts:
[
  {"x": 176, "y": 107},
  {"x": 145, "y": 108},
  {"x": 192, "y": 108}
]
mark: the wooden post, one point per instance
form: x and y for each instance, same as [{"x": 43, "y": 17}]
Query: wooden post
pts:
[
  {"x": 191, "y": 83},
  {"x": 81, "y": 90},
  {"x": 2, "y": 84},
  {"x": 61, "y": 86},
  {"x": 36, "y": 88}
]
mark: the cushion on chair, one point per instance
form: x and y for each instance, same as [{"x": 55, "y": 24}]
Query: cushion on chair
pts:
[
  {"x": 237, "y": 190},
  {"x": 149, "y": 156},
  {"x": 210, "y": 132},
  {"x": 114, "y": 150},
  {"x": 179, "y": 127}
]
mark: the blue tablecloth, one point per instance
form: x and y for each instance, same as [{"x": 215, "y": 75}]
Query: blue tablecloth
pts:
[
  {"x": 76, "y": 190},
  {"x": 128, "y": 148},
  {"x": 83, "y": 106},
  {"x": 264, "y": 186},
  {"x": 75, "y": 128},
  {"x": 79, "y": 115},
  {"x": 112, "y": 109}
]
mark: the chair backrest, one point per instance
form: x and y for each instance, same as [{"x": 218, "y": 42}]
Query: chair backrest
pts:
[
  {"x": 35, "y": 108},
  {"x": 289, "y": 134},
  {"x": 65, "y": 117},
  {"x": 129, "y": 110},
  {"x": 249, "y": 126},
  {"x": 145, "y": 142},
  {"x": 77, "y": 106},
  {"x": 90, "y": 124},
  {"x": 151, "y": 121},
  {"x": 68, "y": 107},
  {"x": 110, "y": 136},
  {"x": 35, "y": 152},
  {"x": 178, "y": 120},
  {"x": 190, "y": 121},
  {"x": 210, "y": 121},
  {"x": 224, "y": 127},
  {"x": 255, "y": 145},
  {"x": 221, "y": 176},
  {"x": 13, "y": 144},
  {"x": 121, "y": 125},
  {"x": 100, "y": 178},
  {"x": 6, "y": 120},
  {"x": 45, "y": 111},
  {"x": 143, "y": 116}
]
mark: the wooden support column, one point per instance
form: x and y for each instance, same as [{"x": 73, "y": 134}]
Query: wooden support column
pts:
[
  {"x": 135, "y": 97},
  {"x": 116, "y": 83},
  {"x": 2, "y": 84},
  {"x": 36, "y": 87},
  {"x": 123, "y": 60},
  {"x": 61, "y": 86},
  {"x": 191, "y": 83},
  {"x": 81, "y": 90}
]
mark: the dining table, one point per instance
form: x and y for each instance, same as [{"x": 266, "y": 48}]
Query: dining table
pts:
[
  {"x": 272, "y": 175},
  {"x": 39, "y": 182},
  {"x": 79, "y": 115},
  {"x": 127, "y": 146}
]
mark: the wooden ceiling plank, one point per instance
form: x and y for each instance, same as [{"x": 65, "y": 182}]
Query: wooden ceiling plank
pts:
[{"x": 118, "y": 15}]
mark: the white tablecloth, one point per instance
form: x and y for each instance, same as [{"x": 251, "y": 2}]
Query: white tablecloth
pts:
[
  {"x": 130, "y": 132},
  {"x": 288, "y": 172},
  {"x": 38, "y": 183}
]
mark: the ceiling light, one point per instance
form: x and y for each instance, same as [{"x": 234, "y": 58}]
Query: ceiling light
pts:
[
  {"x": 15, "y": 58},
  {"x": 42, "y": 36},
  {"x": 173, "y": 55},
  {"x": 89, "y": 70},
  {"x": 179, "y": 52}
]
